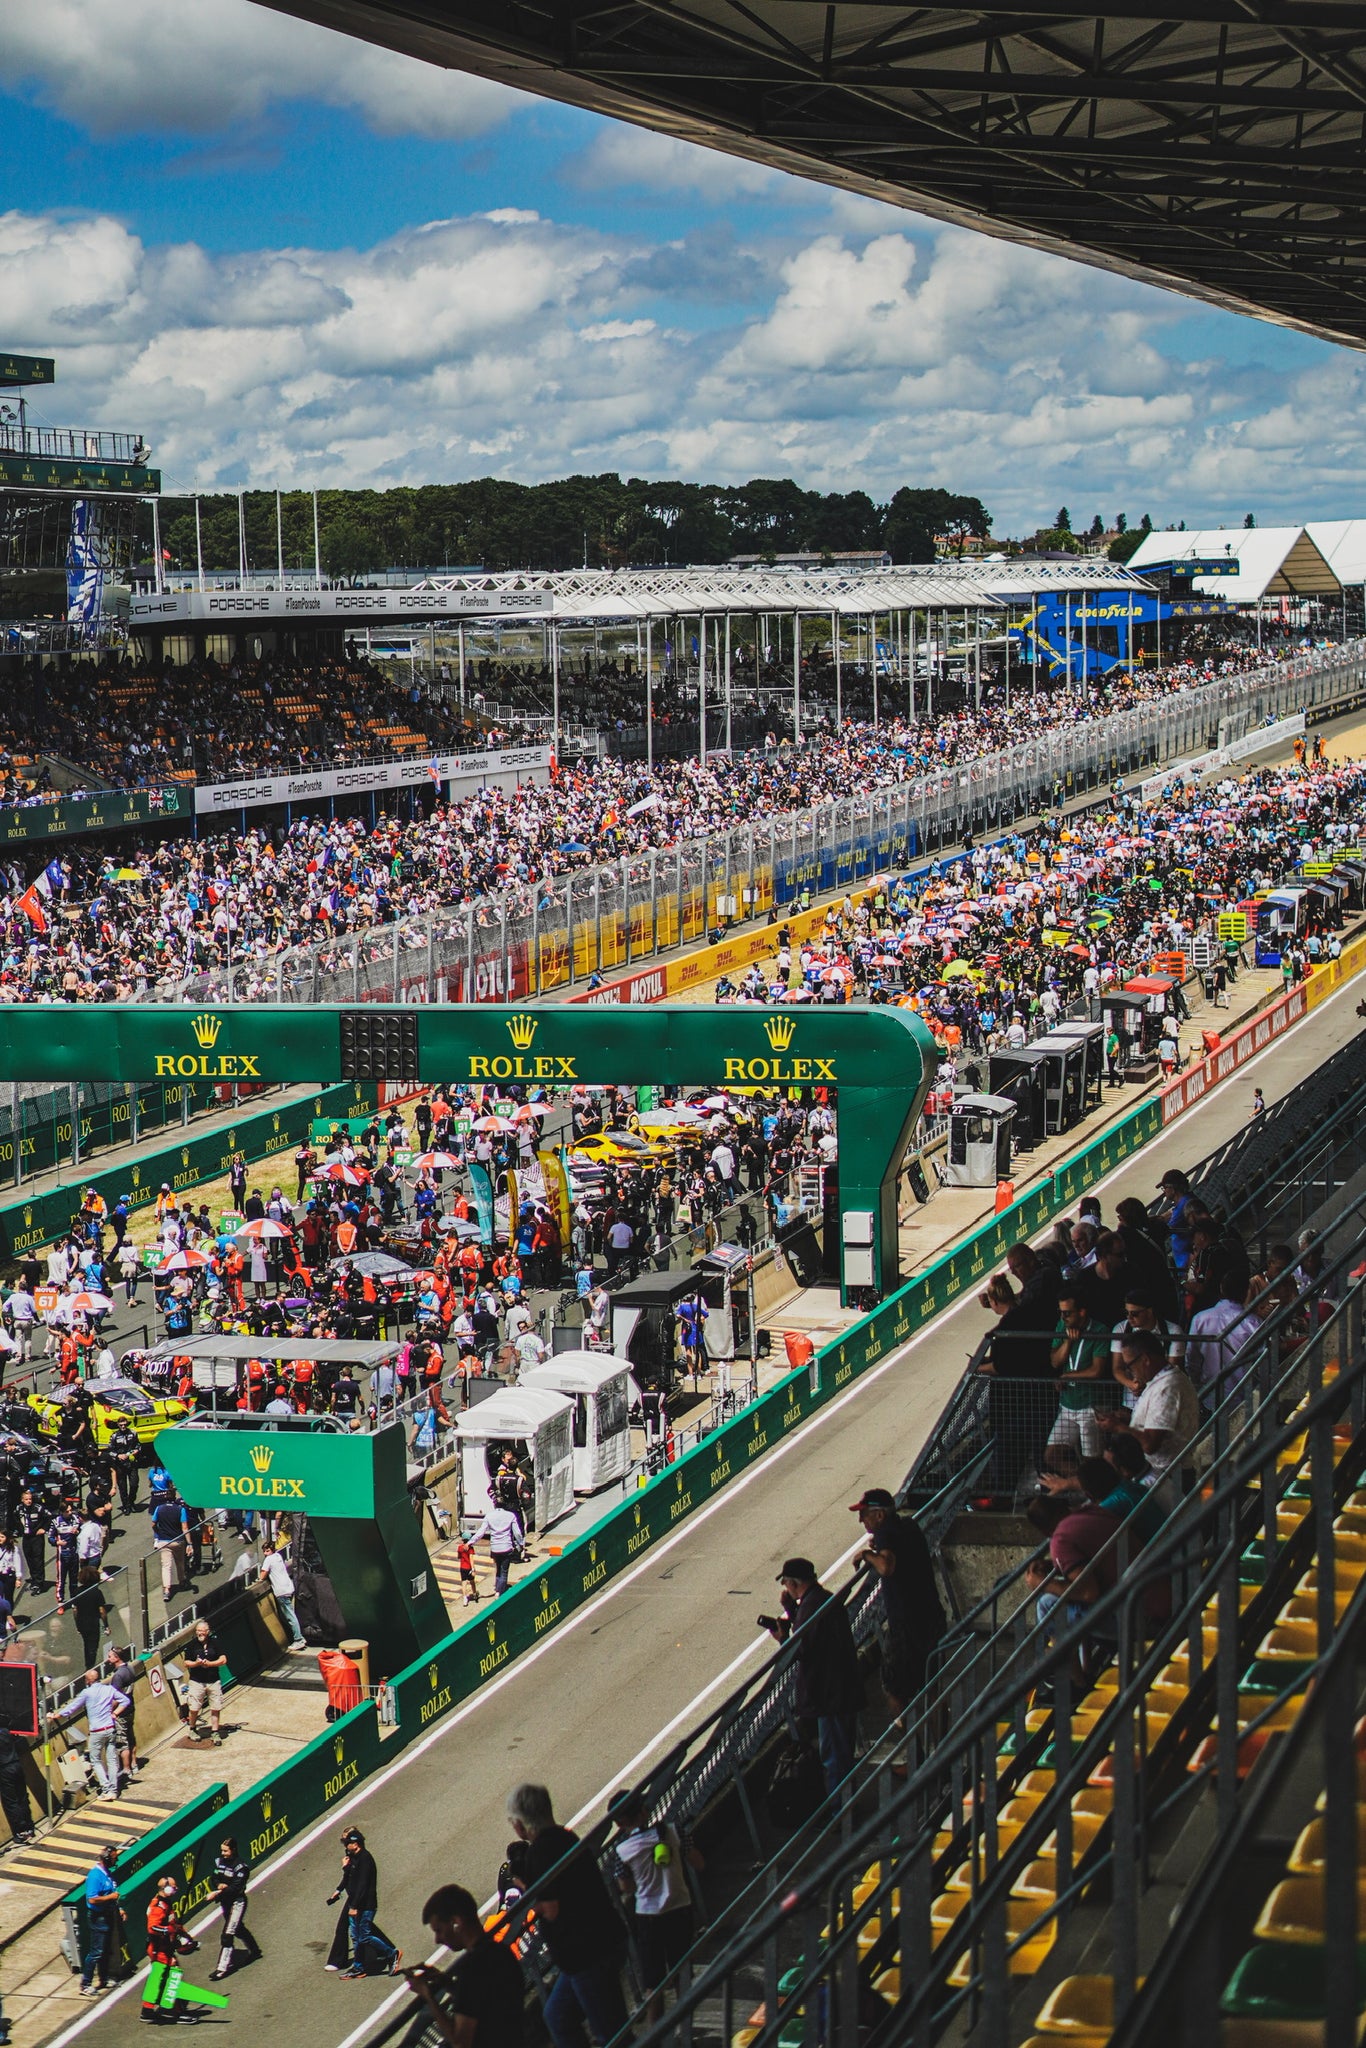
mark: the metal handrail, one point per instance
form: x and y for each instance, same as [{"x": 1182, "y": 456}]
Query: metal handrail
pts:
[{"x": 966, "y": 1757}]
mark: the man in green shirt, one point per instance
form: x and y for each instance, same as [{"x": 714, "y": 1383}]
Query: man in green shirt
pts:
[{"x": 1081, "y": 1366}]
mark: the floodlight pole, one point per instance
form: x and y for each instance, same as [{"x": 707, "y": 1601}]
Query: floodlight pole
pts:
[
  {"x": 279, "y": 540},
  {"x": 650, "y": 693},
  {"x": 199, "y": 544},
  {"x": 317, "y": 547}
]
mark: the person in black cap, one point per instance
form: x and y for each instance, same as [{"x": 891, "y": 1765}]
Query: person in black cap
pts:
[
  {"x": 910, "y": 1616},
  {"x": 829, "y": 1690},
  {"x": 360, "y": 1882}
]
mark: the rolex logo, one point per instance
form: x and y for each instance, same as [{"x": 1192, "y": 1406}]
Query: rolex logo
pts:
[
  {"x": 267, "y": 1805},
  {"x": 261, "y": 1456},
  {"x": 593, "y": 1550},
  {"x": 206, "y": 1028},
  {"x": 545, "y": 1589},
  {"x": 493, "y": 1631},
  {"x": 636, "y": 1514},
  {"x": 339, "y": 1749},
  {"x": 187, "y": 1865},
  {"x": 522, "y": 1029},
  {"x": 779, "y": 1032},
  {"x": 432, "y": 1675}
]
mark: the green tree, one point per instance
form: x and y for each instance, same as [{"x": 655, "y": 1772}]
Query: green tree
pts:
[
  {"x": 1062, "y": 520},
  {"x": 1097, "y": 528},
  {"x": 1121, "y": 522},
  {"x": 1249, "y": 519}
]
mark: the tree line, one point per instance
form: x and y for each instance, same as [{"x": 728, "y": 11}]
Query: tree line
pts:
[{"x": 604, "y": 521}]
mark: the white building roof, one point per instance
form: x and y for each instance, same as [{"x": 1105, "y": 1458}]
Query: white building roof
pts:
[
  {"x": 1272, "y": 561},
  {"x": 1342, "y": 543}
]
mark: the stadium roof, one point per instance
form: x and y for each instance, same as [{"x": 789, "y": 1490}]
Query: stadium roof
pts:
[
  {"x": 1342, "y": 543},
  {"x": 1215, "y": 147},
  {"x": 1272, "y": 561},
  {"x": 589, "y": 594}
]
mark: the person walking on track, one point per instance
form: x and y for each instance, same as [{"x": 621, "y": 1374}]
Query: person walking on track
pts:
[
  {"x": 231, "y": 1873},
  {"x": 360, "y": 1883}
]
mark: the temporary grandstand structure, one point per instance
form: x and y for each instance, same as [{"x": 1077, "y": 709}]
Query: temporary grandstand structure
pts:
[{"x": 1273, "y": 561}]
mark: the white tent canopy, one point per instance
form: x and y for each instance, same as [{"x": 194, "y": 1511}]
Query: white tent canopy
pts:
[
  {"x": 1342, "y": 543},
  {"x": 1273, "y": 561}
]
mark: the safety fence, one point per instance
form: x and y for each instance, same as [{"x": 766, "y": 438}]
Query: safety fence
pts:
[
  {"x": 414, "y": 1701},
  {"x": 57, "y": 1127},
  {"x": 27, "y": 1223},
  {"x": 596, "y": 920}
]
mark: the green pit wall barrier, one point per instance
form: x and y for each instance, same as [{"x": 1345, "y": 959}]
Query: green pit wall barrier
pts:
[
  {"x": 37, "y": 1219},
  {"x": 277, "y": 1811}
]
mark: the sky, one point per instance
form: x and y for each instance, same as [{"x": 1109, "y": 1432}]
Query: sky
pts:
[{"x": 293, "y": 260}]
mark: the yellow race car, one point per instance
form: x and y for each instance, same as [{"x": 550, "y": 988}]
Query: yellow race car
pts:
[
  {"x": 112, "y": 1401},
  {"x": 622, "y": 1148}
]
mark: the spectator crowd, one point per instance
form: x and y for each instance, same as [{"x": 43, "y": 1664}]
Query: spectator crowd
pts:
[{"x": 175, "y": 908}]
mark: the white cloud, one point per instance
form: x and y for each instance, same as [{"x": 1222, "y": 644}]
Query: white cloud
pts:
[
  {"x": 622, "y": 155},
  {"x": 515, "y": 345},
  {"x": 202, "y": 66}
]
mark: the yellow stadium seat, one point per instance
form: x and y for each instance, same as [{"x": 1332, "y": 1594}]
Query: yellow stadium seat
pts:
[
  {"x": 1294, "y": 1911},
  {"x": 1292, "y": 1642},
  {"x": 1026, "y": 1960},
  {"x": 1078, "y": 2006},
  {"x": 1306, "y": 1858}
]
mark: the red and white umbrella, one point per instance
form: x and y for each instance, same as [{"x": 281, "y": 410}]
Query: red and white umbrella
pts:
[
  {"x": 87, "y": 1304},
  {"x": 348, "y": 1176},
  {"x": 434, "y": 1162},
  {"x": 184, "y": 1262},
  {"x": 489, "y": 1123},
  {"x": 263, "y": 1226}
]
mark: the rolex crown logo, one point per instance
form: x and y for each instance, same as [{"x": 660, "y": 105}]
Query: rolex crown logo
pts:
[
  {"x": 593, "y": 1550},
  {"x": 187, "y": 1865},
  {"x": 339, "y": 1749},
  {"x": 432, "y": 1675},
  {"x": 493, "y": 1631},
  {"x": 206, "y": 1028},
  {"x": 522, "y": 1029},
  {"x": 261, "y": 1455},
  {"x": 545, "y": 1589},
  {"x": 779, "y": 1032},
  {"x": 267, "y": 1804}
]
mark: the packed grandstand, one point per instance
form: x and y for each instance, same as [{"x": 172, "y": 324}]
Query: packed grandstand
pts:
[{"x": 96, "y": 926}]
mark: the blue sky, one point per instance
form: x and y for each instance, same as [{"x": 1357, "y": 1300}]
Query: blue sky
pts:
[{"x": 290, "y": 258}]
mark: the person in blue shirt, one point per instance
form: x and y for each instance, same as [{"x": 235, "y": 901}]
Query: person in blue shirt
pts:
[{"x": 103, "y": 1914}]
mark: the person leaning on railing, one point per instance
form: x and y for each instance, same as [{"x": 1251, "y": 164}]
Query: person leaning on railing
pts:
[
  {"x": 1081, "y": 1365},
  {"x": 1022, "y": 1402}
]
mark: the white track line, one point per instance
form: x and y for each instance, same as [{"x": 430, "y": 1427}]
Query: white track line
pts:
[{"x": 775, "y": 1456}]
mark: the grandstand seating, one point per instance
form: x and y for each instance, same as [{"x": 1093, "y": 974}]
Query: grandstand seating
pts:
[{"x": 984, "y": 1877}]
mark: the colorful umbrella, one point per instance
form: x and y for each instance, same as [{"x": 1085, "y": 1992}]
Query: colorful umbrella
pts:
[
  {"x": 436, "y": 1162},
  {"x": 184, "y": 1262},
  {"x": 87, "y": 1304},
  {"x": 263, "y": 1226},
  {"x": 349, "y": 1176}
]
